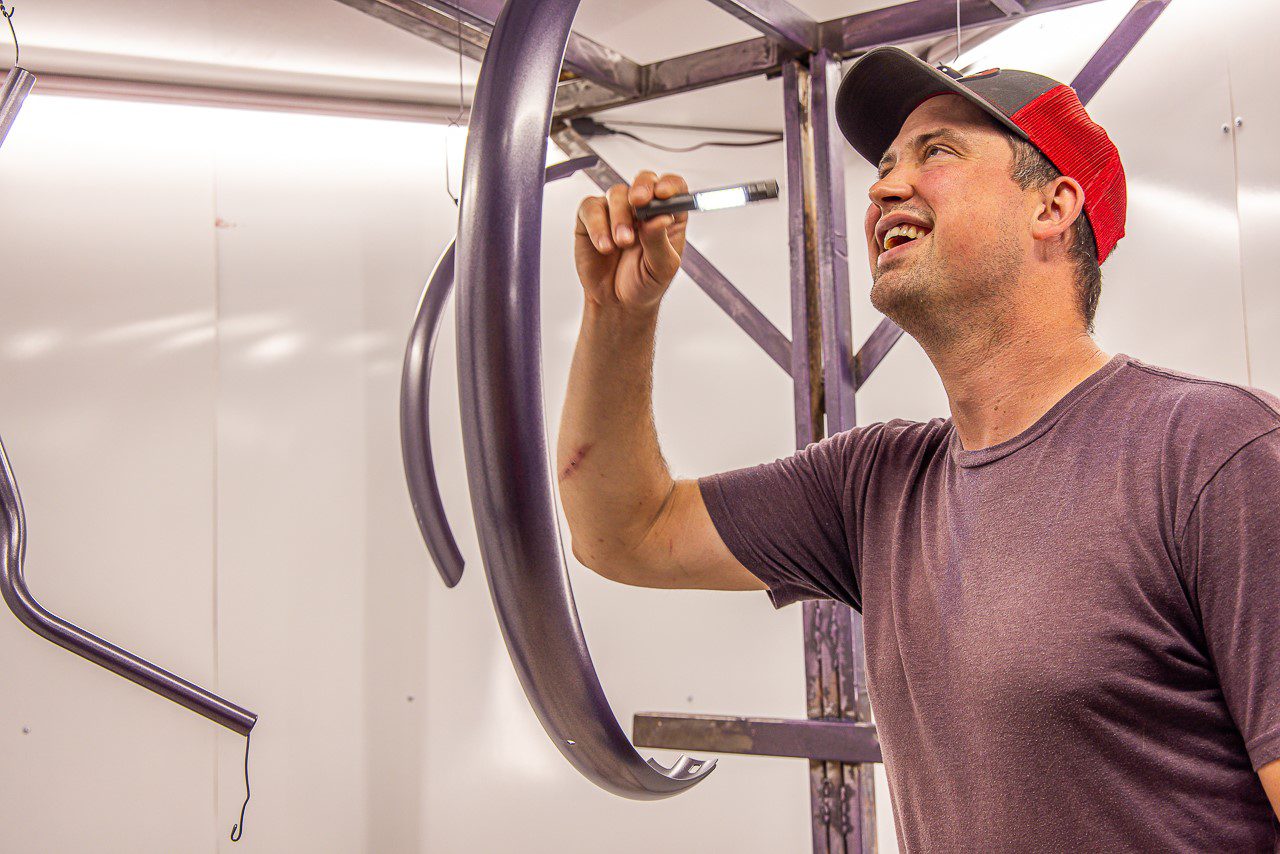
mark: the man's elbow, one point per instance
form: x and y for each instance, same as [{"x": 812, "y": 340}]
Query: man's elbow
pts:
[{"x": 607, "y": 565}]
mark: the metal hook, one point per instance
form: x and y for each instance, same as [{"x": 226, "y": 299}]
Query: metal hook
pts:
[
  {"x": 957, "y": 59},
  {"x": 8, "y": 16},
  {"x": 453, "y": 123},
  {"x": 237, "y": 829}
]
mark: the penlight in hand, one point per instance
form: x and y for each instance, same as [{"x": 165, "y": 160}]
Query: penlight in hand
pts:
[{"x": 714, "y": 199}]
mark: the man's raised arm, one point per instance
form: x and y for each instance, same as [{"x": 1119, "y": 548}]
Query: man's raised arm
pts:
[{"x": 630, "y": 521}]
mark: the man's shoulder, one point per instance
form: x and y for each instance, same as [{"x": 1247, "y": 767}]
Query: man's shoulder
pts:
[
  {"x": 1194, "y": 423},
  {"x": 896, "y": 440},
  {"x": 1189, "y": 405}
]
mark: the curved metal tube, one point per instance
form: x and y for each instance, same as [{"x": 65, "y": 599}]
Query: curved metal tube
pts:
[
  {"x": 500, "y": 385},
  {"x": 17, "y": 85},
  {"x": 13, "y": 550},
  {"x": 415, "y": 404}
]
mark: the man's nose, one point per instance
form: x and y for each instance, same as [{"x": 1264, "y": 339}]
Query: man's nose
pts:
[{"x": 890, "y": 189}]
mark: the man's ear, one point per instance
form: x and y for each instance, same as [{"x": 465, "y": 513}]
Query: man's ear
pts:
[{"x": 1058, "y": 204}]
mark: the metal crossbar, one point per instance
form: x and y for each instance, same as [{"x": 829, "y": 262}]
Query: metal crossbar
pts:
[{"x": 838, "y": 739}]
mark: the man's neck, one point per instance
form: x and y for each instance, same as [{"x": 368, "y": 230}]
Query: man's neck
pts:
[{"x": 1000, "y": 389}]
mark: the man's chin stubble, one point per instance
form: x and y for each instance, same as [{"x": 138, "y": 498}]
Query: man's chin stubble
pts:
[{"x": 912, "y": 302}]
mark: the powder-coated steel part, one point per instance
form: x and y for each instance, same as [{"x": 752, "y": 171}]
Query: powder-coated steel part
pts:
[
  {"x": 415, "y": 404},
  {"x": 17, "y": 85},
  {"x": 500, "y": 385},
  {"x": 13, "y": 549}
]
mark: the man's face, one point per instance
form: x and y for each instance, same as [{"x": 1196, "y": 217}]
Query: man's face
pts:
[{"x": 946, "y": 228}]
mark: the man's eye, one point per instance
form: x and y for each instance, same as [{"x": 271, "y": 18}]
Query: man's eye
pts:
[{"x": 932, "y": 149}]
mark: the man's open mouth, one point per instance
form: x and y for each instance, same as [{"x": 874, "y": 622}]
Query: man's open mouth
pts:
[{"x": 901, "y": 234}]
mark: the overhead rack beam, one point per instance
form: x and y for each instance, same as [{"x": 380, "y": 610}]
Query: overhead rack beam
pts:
[
  {"x": 790, "y": 27},
  {"x": 601, "y": 78},
  {"x": 469, "y": 23}
]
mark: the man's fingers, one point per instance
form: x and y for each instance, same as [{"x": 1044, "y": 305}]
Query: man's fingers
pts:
[
  {"x": 670, "y": 185},
  {"x": 621, "y": 220},
  {"x": 642, "y": 188},
  {"x": 593, "y": 221}
]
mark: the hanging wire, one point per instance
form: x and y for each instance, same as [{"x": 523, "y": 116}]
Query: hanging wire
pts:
[
  {"x": 454, "y": 122},
  {"x": 773, "y": 138},
  {"x": 237, "y": 829},
  {"x": 8, "y": 16},
  {"x": 956, "y": 61}
]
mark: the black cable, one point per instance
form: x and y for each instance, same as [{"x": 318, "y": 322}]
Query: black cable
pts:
[
  {"x": 237, "y": 829},
  {"x": 774, "y": 138},
  {"x": 8, "y": 16}
]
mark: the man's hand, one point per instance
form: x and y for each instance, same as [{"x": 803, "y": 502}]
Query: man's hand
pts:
[{"x": 617, "y": 266}]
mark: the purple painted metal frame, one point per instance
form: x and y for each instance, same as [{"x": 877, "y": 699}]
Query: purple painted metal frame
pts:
[
  {"x": 604, "y": 79},
  {"x": 415, "y": 404},
  {"x": 503, "y": 427},
  {"x": 13, "y": 549},
  {"x": 1123, "y": 39},
  {"x": 793, "y": 29}
]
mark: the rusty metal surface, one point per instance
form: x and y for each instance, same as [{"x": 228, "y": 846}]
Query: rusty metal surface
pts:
[
  {"x": 841, "y": 794},
  {"x": 835, "y": 741}
]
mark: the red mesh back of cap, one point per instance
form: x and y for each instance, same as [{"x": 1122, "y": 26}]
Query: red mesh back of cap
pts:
[{"x": 1058, "y": 125}]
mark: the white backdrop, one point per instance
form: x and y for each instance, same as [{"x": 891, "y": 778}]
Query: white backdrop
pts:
[{"x": 199, "y": 359}]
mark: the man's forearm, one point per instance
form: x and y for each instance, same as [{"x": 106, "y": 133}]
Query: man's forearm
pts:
[{"x": 613, "y": 479}]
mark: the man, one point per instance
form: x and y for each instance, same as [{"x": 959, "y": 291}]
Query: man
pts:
[{"x": 1070, "y": 587}]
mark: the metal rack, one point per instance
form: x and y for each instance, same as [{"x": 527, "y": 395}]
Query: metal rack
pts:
[{"x": 838, "y": 738}]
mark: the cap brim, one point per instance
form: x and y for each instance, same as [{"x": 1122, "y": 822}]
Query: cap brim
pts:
[{"x": 883, "y": 87}]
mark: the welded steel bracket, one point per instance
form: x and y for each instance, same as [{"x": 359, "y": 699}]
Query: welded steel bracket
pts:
[{"x": 500, "y": 386}]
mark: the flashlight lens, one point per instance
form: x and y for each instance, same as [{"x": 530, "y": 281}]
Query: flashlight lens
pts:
[{"x": 713, "y": 200}]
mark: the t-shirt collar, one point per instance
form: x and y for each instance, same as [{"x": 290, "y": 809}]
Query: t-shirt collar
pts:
[{"x": 982, "y": 456}]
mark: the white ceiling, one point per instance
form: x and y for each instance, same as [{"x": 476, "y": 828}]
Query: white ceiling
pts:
[{"x": 323, "y": 47}]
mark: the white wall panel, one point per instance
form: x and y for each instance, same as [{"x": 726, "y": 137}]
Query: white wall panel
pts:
[
  {"x": 204, "y": 423},
  {"x": 106, "y": 343},
  {"x": 1253, "y": 30}
]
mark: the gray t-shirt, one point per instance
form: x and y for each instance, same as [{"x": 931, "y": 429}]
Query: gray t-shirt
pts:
[{"x": 1072, "y": 637}]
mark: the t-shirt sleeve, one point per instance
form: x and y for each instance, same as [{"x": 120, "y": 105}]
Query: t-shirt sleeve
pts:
[
  {"x": 787, "y": 522},
  {"x": 1230, "y": 554}
]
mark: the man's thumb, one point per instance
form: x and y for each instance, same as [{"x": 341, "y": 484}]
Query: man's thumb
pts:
[{"x": 660, "y": 255}]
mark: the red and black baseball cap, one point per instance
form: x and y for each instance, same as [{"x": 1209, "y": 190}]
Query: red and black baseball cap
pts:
[{"x": 888, "y": 83}]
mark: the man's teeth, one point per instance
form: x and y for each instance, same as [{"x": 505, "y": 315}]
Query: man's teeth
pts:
[{"x": 900, "y": 234}]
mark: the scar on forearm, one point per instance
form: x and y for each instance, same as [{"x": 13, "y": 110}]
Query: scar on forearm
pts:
[{"x": 573, "y": 463}]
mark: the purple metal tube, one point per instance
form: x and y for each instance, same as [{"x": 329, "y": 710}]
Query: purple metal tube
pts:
[
  {"x": 13, "y": 550},
  {"x": 17, "y": 85},
  {"x": 874, "y": 349},
  {"x": 1117, "y": 46},
  {"x": 503, "y": 428},
  {"x": 833, "y": 246},
  {"x": 13, "y": 547},
  {"x": 778, "y": 19},
  {"x": 415, "y": 405}
]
